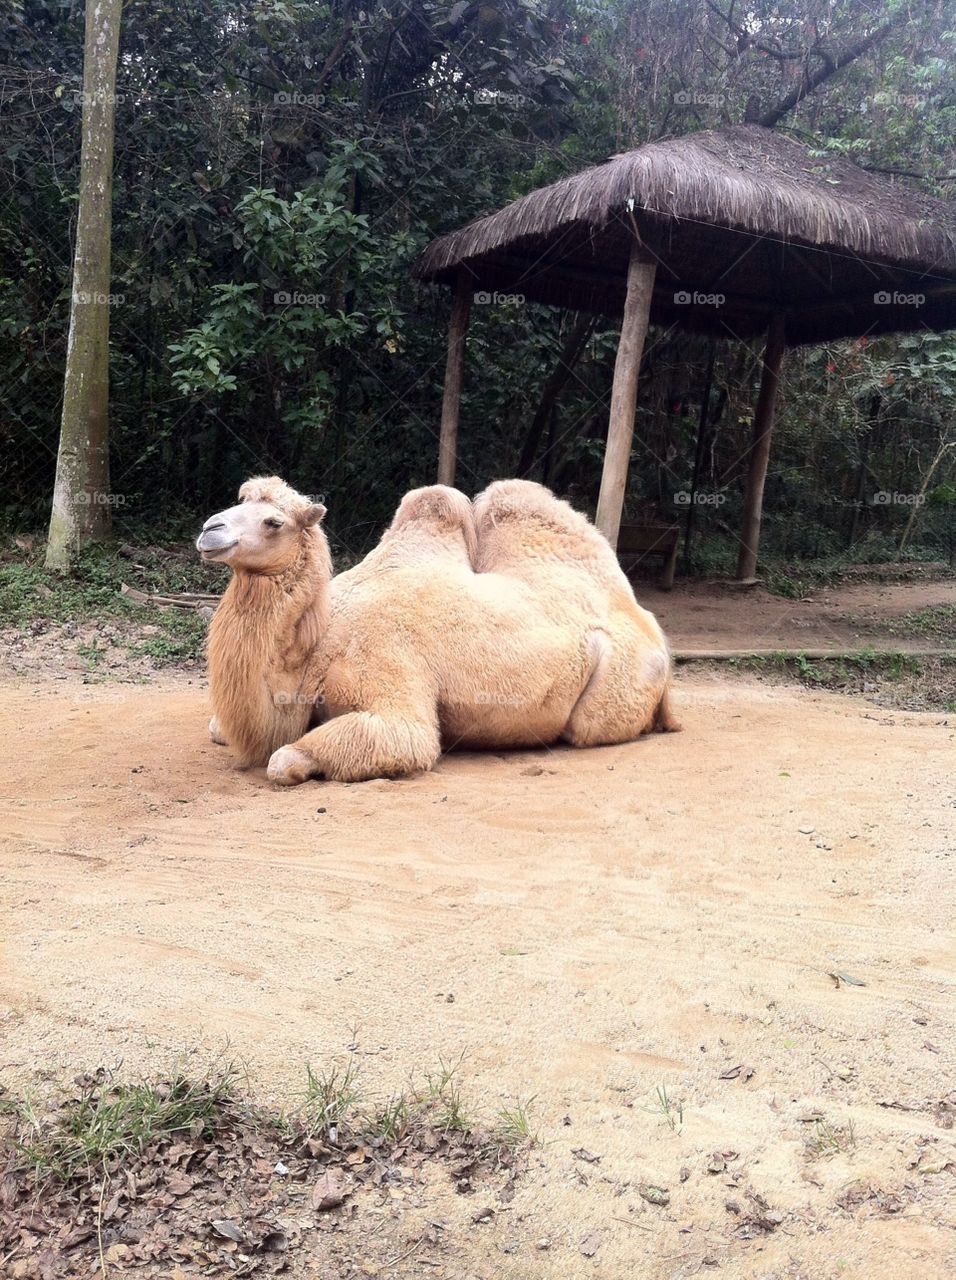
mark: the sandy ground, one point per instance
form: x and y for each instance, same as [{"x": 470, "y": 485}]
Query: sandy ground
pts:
[
  {"x": 585, "y": 927},
  {"x": 850, "y": 615}
]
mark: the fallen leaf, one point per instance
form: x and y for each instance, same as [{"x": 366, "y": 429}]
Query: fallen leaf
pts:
[
  {"x": 740, "y": 1072},
  {"x": 848, "y": 979},
  {"x": 228, "y": 1230},
  {"x": 581, "y": 1153},
  {"x": 590, "y": 1244},
  {"x": 329, "y": 1191}
]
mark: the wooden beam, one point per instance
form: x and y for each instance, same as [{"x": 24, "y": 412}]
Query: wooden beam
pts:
[
  {"x": 627, "y": 365},
  {"x": 760, "y": 449},
  {"x": 454, "y": 373}
]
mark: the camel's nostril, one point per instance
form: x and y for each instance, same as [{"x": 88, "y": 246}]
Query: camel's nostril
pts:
[{"x": 213, "y": 523}]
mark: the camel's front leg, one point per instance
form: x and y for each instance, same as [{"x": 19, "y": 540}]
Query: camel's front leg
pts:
[{"x": 359, "y": 746}]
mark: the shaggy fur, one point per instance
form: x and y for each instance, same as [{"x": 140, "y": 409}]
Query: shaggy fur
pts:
[{"x": 506, "y": 624}]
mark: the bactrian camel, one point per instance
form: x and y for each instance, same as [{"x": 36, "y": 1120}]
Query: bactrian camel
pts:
[{"x": 507, "y": 623}]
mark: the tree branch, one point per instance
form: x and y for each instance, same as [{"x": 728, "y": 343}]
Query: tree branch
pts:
[{"x": 829, "y": 67}]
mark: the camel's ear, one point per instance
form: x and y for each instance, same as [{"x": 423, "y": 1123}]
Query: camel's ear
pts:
[{"x": 313, "y": 514}]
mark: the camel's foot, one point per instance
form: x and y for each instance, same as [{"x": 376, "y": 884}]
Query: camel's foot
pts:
[
  {"x": 215, "y": 733},
  {"x": 289, "y": 766}
]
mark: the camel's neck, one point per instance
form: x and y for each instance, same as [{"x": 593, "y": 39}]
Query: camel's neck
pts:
[{"x": 260, "y": 640}]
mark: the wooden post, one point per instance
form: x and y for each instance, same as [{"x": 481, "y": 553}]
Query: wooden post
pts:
[
  {"x": 760, "y": 450},
  {"x": 454, "y": 371},
  {"x": 620, "y": 431}
]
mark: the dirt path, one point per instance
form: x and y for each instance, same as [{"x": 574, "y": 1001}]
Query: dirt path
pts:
[
  {"x": 847, "y": 615},
  {"x": 587, "y": 927}
]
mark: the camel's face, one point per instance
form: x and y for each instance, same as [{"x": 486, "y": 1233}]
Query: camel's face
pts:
[{"x": 255, "y": 537}]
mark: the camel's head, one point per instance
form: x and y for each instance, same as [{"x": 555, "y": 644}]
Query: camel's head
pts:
[{"x": 263, "y": 533}]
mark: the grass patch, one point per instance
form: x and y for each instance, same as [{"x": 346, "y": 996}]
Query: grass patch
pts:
[
  {"x": 106, "y": 1123},
  {"x": 31, "y": 598},
  {"x": 936, "y": 622},
  {"x": 836, "y": 672}
]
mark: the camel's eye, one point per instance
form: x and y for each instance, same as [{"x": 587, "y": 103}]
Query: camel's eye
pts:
[{"x": 273, "y": 523}]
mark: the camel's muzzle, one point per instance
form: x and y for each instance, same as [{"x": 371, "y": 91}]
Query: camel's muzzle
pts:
[{"x": 216, "y": 536}]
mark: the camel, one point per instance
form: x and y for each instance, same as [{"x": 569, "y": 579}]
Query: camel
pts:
[{"x": 504, "y": 624}]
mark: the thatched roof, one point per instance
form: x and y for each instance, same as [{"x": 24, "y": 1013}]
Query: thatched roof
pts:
[{"x": 744, "y": 213}]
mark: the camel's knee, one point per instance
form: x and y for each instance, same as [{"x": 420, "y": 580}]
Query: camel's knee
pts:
[
  {"x": 622, "y": 698},
  {"x": 289, "y": 766},
  {"x": 664, "y": 719}
]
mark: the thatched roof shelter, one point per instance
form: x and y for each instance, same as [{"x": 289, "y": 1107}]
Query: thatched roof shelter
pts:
[
  {"x": 743, "y": 212},
  {"x": 741, "y": 231}
]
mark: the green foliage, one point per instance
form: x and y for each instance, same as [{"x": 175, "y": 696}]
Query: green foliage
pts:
[
  {"x": 311, "y": 151},
  {"x": 31, "y": 597}
]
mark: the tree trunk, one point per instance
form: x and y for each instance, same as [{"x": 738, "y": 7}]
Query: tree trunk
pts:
[
  {"x": 81, "y": 496},
  {"x": 454, "y": 376},
  {"x": 760, "y": 450},
  {"x": 627, "y": 365},
  {"x": 944, "y": 448}
]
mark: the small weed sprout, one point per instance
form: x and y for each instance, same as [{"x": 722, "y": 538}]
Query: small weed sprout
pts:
[
  {"x": 513, "y": 1126},
  {"x": 394, "y": 1120},
  {"x": 828, "y": 1138},
  {"x": 444, "y": 1099},
  {"x": 671, "y": 1109},
  {"x": 330, "y": 1098}
]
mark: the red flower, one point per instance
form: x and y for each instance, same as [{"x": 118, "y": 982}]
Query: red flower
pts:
[{"x": 831, "y": 367}]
